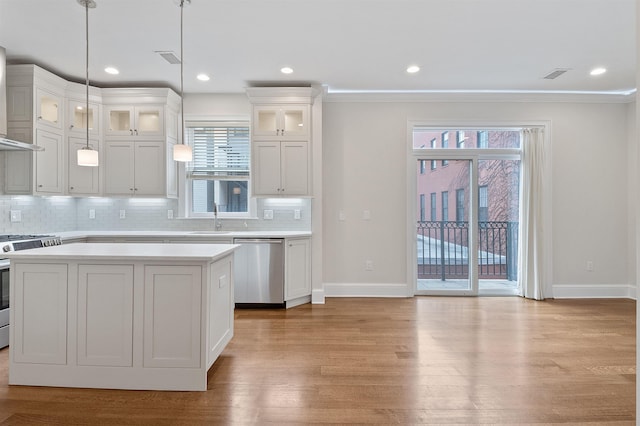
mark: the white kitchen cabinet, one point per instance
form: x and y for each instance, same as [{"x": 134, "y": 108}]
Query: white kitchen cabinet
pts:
[
  {"x": 18, "y": 164},
  {"x": 82, "y": 180},
  {"x": 171, "y": 326},
  {"x": 297, "y": 281},
  {"x": 20, "y": 105},
  {"x": 139, "y": 122},
  {"x": 280, "y": 122},
  {"x": 49, "y": 163},
  {"x": 49, "y": 108},
  {"x": 105, "y": 315},
  {"x": 135, "y": 168},
  {"x": 280, "y": 168},
  {"x": 221, "y": 303},
  {"x": 78, "y": 115},
  {"x": 39, "y": 314}
]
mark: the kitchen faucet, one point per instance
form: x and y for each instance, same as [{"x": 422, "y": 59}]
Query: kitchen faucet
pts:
[{"x": 217, "y": 225}]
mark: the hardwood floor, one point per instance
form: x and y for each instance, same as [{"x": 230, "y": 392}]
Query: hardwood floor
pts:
[{"x": 425, "y": 360}]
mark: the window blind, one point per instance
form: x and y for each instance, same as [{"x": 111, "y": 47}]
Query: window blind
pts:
[{"x": 219, "y": 152}]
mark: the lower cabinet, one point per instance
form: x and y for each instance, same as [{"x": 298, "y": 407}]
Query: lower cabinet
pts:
[
  {"x": 171, "y": 325},
  {"x": 298, "y": 268},
  {"x": 39, "y": 314},
  {"x": 105, "y": 315}
]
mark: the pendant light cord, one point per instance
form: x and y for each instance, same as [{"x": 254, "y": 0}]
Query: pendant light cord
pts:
[
  {"x": 86, "y": 7},
  {"x": 181, "y": 74}
]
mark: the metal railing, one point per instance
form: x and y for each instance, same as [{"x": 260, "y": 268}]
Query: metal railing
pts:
[{"x": 443, "y": 251}]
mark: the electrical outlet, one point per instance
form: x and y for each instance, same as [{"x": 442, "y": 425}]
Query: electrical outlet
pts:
[
  {"x": 368, "y": 265},
  {"x": 341, "y": 216},
  {"x": 16, "y": 215},
  {"x": 169, "y": 214},
  {"x": 123, "y": 214},
  {"x": 92, "y": 214},
  {"x": 296, "y": 214},
  {"x": 590, "y": 265},
  {"x": 366, "y": 215},
  {"x": 268, "y": 214}
]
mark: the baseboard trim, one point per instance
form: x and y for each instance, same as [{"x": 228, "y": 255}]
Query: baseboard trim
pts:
[
  {"x": 583, "y": 291},
  {"x": 317, "y": 297},
  {"x": 365, "y": 290}
]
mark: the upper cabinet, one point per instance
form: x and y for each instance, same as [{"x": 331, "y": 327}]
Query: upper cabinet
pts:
[
  {"x": 281, "y": 140},
  {"x": 49, "y": 110},
  {"x": 79, "y": 117},
  {"x": 144, "y": 121},
  {"x": 281, "y": 122}
]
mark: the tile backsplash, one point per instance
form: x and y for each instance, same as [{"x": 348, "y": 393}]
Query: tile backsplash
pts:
[{"x": 57, "y": 214}]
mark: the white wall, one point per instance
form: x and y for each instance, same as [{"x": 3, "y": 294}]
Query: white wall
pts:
[{"x": 365, "y": 148}]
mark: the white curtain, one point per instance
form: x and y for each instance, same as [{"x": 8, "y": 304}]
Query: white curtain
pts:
[{"x": 531, "y": 259}]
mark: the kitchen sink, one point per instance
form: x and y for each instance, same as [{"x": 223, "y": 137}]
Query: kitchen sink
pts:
[{"x": 210, "y": 232}]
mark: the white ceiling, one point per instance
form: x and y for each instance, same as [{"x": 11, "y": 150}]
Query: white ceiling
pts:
[{"x": 363, "y": 45}]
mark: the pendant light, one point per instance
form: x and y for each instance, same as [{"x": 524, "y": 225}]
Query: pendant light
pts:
[
  {"x": 86, "y": 155},
  {"x": 182, "y": 152}
]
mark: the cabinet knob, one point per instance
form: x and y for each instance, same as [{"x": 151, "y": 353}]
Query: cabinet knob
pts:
[
  {"x": 39, "y": 186},
  {"x": 130, "y": 189},
  {"x": 135, "y": 189},
  {"x": 131, "y": 132},
  {"x": 71, "y": 188},
  {"x": 136, "y": 131},
  {"x": 71, "y": 126}
]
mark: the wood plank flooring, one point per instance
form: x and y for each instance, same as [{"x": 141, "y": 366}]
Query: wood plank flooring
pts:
[{"x": 424, "y": 360}]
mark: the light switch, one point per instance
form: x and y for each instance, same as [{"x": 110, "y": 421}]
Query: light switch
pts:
[
  {"x": 123, "y": 214},
  {"x": 169, "y": 214},
  {"x": 296, "y": 214},
  {"x": 268, "y": 214},
  {"x": 92, "y": 214}
]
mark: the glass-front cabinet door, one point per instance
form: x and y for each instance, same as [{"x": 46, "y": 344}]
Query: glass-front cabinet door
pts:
[
  {"x": 79, "y": 117},
  {"x": 130, "y": 121},
  {"x": 281, "y": 122},
  {"x": 48, "y": 108}
]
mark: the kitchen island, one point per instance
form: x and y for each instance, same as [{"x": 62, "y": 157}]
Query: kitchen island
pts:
[{"x": 120, "y": 316}]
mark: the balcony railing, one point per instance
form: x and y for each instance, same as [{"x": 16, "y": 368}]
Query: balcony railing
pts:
[{"x": 443, "y": 251}]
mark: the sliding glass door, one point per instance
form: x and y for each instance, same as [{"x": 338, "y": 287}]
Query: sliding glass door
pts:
[{"x": 466, "y": 209}]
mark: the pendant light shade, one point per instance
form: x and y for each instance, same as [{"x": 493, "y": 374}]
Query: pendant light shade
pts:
[
  {"x": 87, "y": 156},
  {"x": 182, "y": 152}
]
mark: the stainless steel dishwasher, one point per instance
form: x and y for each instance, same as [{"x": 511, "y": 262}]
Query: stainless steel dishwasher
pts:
[{"x": 259, "y": 272}]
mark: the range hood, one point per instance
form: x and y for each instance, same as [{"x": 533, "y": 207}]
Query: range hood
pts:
[{"x": 8, "y": 144}]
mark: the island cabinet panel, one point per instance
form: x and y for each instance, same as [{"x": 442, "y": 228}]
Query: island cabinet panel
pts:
[
  {"x": 220, "y": 319},
  {"x": 105, "y": 315},
  {"x": 39, "y": 313},
  {"x": 171, "y": 329}
]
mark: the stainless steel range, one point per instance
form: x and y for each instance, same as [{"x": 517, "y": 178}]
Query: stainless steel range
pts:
[{"x": 15, "y": 243}]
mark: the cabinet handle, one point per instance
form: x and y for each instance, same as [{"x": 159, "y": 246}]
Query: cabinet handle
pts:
[
  {"x": 136, "y": 131},
  {"x": 282, "y": 132}
]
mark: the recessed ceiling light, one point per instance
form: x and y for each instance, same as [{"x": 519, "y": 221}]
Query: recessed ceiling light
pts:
[
  {"x": 413, "y": 69},
  {"x": 286, "y": 70},
  {"x": 598, "y": 71},
  {"x": 203, "y": 77},
  {"x": 111, "y": 70}
]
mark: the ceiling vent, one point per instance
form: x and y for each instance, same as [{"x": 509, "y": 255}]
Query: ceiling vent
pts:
[
  {"x": 169, "y": 57},
  {"x": 555, "y": 73}
]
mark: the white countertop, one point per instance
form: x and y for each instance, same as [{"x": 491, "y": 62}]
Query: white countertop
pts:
[
  {"x": 196, "y": 235},
  {"x": 130, "y": 251}
]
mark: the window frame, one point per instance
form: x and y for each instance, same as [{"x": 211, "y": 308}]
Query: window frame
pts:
[{"x": 186, "y": 196}]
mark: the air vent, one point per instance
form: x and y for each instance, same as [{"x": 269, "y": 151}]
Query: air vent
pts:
[
  {"x": 169, "y": 57},
  {"x": 555, "y": 73}
]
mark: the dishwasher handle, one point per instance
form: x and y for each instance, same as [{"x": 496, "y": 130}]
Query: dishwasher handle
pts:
[{"x": 258, "y": 240}]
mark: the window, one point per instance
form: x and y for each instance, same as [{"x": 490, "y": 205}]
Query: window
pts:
[
  {"x": 483, "y": 139},
  {"x": 445, "y": 144},
  {"x": 445, "y": 206},
  {"x": 459, "y": 205},
  {"x": 460, "y": 138},
  {"x": 433, "y": 162},
  {"x": 422, "y": 208},
  {"x": 433, "y": 207},
  {"x": 219, "y": 172},
  {"x": 483, "y": 204}
]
